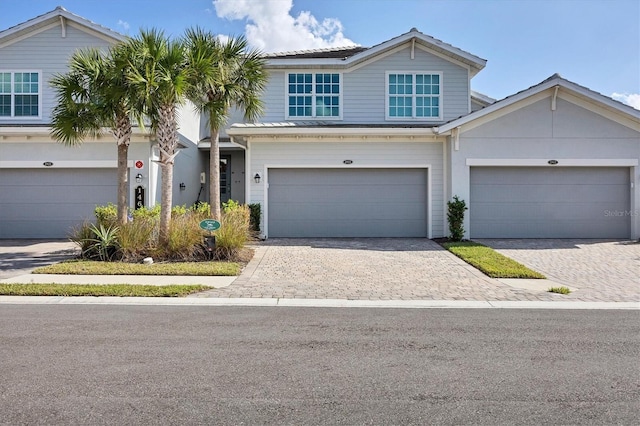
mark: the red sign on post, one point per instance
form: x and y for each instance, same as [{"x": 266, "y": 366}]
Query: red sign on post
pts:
[{"x": 139, "y": 164}]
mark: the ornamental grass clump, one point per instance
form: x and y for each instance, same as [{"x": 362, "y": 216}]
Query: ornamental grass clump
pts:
[{"x": 234, "y": 231}]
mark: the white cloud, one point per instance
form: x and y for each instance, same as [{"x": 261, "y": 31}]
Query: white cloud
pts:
[
  {"x": 123, "y": 24},
  {"x": 632, "y": 99},
  {"x": 271, "y": 27}
]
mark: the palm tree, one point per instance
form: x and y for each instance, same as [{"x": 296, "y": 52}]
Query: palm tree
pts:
[
  {"x": 222, "y": 75},
  {"x": 157, "y": 72},
  {"x": 92, "y": 95}
]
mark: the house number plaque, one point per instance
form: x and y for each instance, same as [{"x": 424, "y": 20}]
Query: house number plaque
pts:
[{"x": 139, "y": 195}]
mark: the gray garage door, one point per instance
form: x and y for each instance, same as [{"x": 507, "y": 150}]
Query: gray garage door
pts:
[
  {"x": 347, "y": 203},
  {"x": 46, "y": 203},
  {"x": 569, "y": 202}
]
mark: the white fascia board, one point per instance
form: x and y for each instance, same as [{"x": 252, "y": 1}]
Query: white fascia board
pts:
[
  {"x": 559, "y": 82},
  {"x": 474, "y": 62},
  {"x": 222, "y": 145},
  {"x": 331, "y": 131},
  {"x": 106, "y": 33}
]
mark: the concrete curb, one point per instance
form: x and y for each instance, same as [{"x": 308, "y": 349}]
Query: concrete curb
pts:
[{"x": 315, "y": 303}]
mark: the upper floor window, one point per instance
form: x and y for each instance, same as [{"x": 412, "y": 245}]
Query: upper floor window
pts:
[
  {"x": 19, "y": 94},
  {"x": 313, "y": 95},
  {"x": 414, "y": 95}
]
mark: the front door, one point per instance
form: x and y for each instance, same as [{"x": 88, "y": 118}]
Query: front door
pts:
[{"x": 225, "y": 178}]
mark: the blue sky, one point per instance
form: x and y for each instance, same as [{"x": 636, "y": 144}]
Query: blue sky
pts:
[{"x": 595, "y": 43}]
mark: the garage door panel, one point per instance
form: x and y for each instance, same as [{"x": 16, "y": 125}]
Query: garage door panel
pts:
[
  {"x": 47, "y": 203},
  {"x": 561, "y": 192},
  {"x": 347, "y": 203},
  {"x": 346, "y": 228},
  {"x": 525, "y": 202},
  {"x": 346, "y": 193},
  {"x": 347, "y": 211}
]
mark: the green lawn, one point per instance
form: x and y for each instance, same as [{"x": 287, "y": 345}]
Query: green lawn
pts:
[
  {"x": 86, "y": 267},
  {"x": 121, "y": 290},
  {"x": 490, "y": 261}
]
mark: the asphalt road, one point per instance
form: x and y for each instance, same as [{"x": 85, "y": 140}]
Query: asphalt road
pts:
[{"x": 224, "y": 365}]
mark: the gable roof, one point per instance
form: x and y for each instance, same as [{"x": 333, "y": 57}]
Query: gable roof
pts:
[
  {"x": 345, "y": 57},
  {"x": 552, "y": 82},
  {"x": 61, "y": 15}
]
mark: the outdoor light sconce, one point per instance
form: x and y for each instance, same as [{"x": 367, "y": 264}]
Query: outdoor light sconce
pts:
[
  {"x": 183, "y": 186},
  {"x": 139, "y": 178},
  {"x": 257, "y": 178}
]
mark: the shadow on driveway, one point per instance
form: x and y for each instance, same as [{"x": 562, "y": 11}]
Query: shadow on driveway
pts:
[{"x": 20, "y": 257}]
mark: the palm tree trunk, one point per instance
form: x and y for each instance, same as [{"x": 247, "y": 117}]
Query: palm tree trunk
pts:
[
  {"x": 122, "y": 133},
  {"x": 166, "y": 202},
  {"x": 122, "y": 183},
  {"x": 214, "y": 174},
  {"x": 167, "y": 135}
]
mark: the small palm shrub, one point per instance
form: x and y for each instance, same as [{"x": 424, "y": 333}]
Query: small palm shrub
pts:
[{"x": 97, "y": 242}]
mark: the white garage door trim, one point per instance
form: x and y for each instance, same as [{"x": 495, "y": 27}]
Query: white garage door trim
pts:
[
  {"x": 265, "y": 184},
  {"x": 561, "y": 162},
  {"x": 105, "y": 164}
]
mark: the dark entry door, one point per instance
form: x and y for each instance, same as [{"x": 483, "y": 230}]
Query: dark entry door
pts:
[{"x": 225, "y": 178}]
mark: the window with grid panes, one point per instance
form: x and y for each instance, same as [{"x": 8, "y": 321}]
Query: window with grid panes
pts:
[
  {"x": 19, "y": 94},
  {"x": 313, "y": 95},
  {"x": 414, "y": 95}
]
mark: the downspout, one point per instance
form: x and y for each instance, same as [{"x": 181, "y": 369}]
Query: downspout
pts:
[
  {"x": 456, "y": 138},
  {"x": 64, "y": 27},
  {"x": 554, "y": 98}
]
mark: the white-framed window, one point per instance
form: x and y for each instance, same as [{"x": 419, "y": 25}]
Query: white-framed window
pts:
[
  {"x": 314, "y": 95},
  {"x": 414, "y": 95},
  {"x": 20, "y": 94}
]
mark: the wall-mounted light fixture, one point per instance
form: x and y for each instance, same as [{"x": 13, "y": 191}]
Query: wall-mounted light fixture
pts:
[
  {"x": 139, "y": 178},
  {"x": 183, "y": 186},
  {"x": 257, "y": 178}
]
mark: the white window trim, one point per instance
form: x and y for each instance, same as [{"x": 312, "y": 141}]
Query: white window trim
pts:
[
  {"x": 313, "y": 96},
  {"x": 413, "y": 112},
  {"x": 40, "y": 84}
]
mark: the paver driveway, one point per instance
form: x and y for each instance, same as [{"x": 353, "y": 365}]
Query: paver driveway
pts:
[
  {"x": 372, "y": 268},
  {"x": 601, "y": 270}
]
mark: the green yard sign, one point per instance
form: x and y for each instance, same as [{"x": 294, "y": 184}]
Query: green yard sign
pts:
[{"x": 210, "y": 225}]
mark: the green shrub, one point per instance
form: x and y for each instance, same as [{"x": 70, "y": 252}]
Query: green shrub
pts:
[
  {"x": 254, "y": 218},
  {"x": 233, "y": 233},
  {"x": 455, "y": 217},
  {"x": 178, "y": 210},
  {"x": 229, "y": 206},
  {"x": 107, "y": 215},
  {"x": 147, "y": 212},
  {"x": 201, "y": 210}
]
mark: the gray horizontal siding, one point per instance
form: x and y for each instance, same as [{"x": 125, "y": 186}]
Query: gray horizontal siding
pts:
[
  {"x": 364, "y": 89},
  {"x": 47, "y": 52}
]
